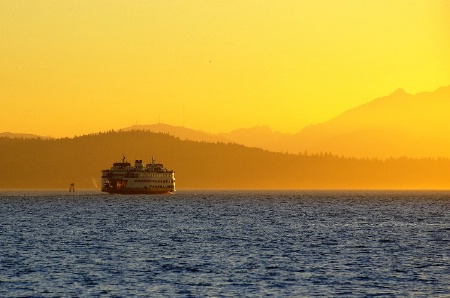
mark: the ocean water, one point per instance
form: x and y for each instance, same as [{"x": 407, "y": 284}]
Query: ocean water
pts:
[{"x": 225, "y": 244}]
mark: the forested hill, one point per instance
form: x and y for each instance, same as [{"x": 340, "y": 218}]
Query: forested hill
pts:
[{"x": 54, "y": 163}]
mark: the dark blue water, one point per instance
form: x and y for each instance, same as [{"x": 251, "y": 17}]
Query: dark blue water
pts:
[{"x": 225, "y": 244}]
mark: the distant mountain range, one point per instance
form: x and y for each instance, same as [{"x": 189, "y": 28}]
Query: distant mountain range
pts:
[
  {"x": 396, "y": 125},
  {"x": 258, "y": 136},
  {"x": 21, "y": 136},
  {"x": 399, "y": 124}
]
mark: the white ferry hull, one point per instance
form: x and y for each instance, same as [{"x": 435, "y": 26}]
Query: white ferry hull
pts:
[
  {"x": 123, "y": 178},
  {"x": 138, "y": 192}
]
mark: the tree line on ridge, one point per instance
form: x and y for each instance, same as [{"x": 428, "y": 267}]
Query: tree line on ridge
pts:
[{"x": 55, "y": 163}]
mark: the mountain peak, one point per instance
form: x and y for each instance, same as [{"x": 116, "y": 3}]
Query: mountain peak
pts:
[
  {"x": 399, "y": 124},
  {"x": 399, "y": 91}
]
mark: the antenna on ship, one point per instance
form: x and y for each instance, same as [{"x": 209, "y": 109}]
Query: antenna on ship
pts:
[{"x": 152, "y": 165}]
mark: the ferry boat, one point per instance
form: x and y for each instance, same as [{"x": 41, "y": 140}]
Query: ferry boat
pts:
[{"x": 123, "y": 178}]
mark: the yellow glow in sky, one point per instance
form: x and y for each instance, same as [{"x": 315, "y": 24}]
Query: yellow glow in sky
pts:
[{"x": 74, "y": 67}]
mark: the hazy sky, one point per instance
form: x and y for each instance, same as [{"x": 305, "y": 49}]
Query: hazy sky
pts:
[{"x": 75, "y": 67}]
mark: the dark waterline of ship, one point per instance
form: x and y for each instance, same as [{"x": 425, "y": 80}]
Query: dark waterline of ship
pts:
[{"x": 225, "y": 244}]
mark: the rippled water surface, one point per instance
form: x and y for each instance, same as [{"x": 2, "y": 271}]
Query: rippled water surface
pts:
[{"x": 225, "y": 244}]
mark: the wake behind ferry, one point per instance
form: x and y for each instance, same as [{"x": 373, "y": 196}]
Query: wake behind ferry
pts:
[{"x": 152, "y": 178}]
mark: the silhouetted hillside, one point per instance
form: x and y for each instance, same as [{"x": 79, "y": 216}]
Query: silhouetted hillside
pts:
[
  {"x": 179, "y": 132},
  {"x": 258, "y": 136},
  {"x": 35, "y": 163}
]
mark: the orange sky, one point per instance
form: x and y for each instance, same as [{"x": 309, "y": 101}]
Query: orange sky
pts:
[{"x": 74, "y": 67}]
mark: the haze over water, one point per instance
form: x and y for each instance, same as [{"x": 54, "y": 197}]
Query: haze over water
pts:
[{"x": 225, "y": 243}]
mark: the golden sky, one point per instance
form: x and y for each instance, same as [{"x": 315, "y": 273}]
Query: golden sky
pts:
[{"x": 75, "y": 67}]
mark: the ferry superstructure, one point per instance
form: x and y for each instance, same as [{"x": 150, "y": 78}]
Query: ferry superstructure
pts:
[{"x": 123, "y": 178}]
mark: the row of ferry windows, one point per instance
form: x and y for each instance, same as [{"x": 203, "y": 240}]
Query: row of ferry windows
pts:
[
  {"x": 160, "y": 186},
  {"x": 156, "y": 181},
  {"x": 158, "y": 175}
]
